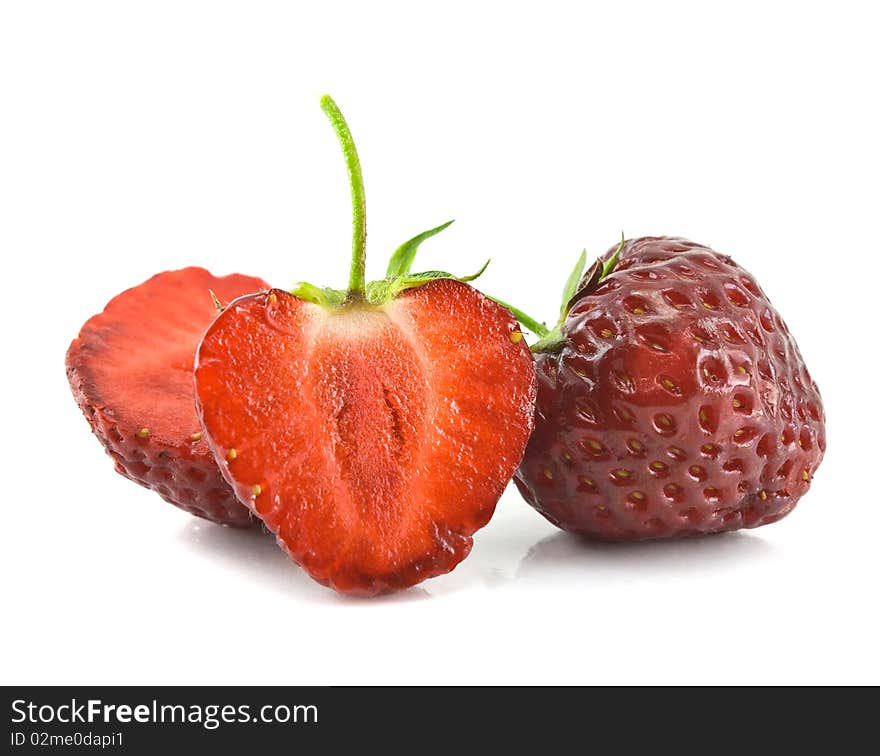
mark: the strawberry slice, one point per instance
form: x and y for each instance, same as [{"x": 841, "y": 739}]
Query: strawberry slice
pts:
[
  {"x": 130, "y": 370},
  {"x": 374, "y": 429}
]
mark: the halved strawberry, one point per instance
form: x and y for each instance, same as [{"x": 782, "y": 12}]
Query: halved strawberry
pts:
[
  {"x": 130, "y": 370},
  {"x": 373, "y": 441},
  {"x": 372, "y": 430}
]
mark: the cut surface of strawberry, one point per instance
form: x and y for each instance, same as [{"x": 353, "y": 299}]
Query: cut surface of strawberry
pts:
[
  {"x": 131, "y": 372},
  {"x": 372, "y": 442}
]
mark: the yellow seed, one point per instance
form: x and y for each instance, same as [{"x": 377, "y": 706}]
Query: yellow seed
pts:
[
  {"x": 143, "y": 433},
  {"x": 704, "y": 416},
  {"x": 657, "y": 466},
  {"x": 605, "y": 333},
  {"x": 638, "y": 495},
  {"x": 273, "y": 298},
  {"x": 708, "y": 305},
  {"x": 708, "y": 448},
  {"x": 638, "y": 311},
  {"x": 548, "y": 473},
  {"x": 257, "y": 489},
  {"x": 594, "y": 444},
  {"x": 516, "y": 336},
  {"x": 621, "y": 473},
  {"x": 197, "y": 436},
  {"x": 737, "y": 404},
  {"x": 231, "y": 454},
  {"x": 805, "y": 475},
  {"x": 586, "y": 481},
  {"x": 763, "y": 494},
  {"x": 741, "y": 369}
]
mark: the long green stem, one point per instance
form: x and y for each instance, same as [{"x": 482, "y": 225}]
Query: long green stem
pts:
[{"x": 357, "y": 276}]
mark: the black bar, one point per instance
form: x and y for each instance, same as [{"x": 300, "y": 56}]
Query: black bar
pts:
[{"x": 251, "y": 719}]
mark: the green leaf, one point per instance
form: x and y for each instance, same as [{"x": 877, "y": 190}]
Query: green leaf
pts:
[
  {"x": 379, "y": 291},
  {"x": 589, "y": 279},
  {"x": 571, "y": 285},
  {"x": 432, "y": 274},
  {"x": 609, "y": 266},
  {"x": 318, "y": 295},
  {"x": 217, "y": 303},
  {"x": 476, "y": 275},
  {"x": 539, "y": 329},
  {"x": 411, "y": 281},
  {"x": 402, "y": 260}
]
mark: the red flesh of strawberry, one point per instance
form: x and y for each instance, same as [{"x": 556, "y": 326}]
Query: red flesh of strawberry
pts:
[
  {"x": 130, "y": 370},
  {"x": 373, "y": 441},
  {"x": 678, "y": 403}
]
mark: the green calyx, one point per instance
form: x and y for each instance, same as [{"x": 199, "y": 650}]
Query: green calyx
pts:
[
  {"x": 218, "y": 305},
  {"x": 578, "y": 284},
  {"x": 398, "y": 277}
]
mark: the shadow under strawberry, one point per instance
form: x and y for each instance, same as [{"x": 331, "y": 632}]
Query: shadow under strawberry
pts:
[{"x": 583, "y": 558}]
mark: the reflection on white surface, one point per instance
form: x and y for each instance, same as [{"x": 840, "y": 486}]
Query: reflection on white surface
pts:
[
  {"x": 506, "y": 552},
  {"x": 255, "y": 553},
  {"x": 577, "y": 557}
]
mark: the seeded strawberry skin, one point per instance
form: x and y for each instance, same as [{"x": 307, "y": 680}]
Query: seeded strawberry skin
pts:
[
  {"x": 130, "y": 371},
  {"x": 678, "y": 404}
]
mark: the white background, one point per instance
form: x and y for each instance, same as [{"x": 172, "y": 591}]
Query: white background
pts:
[{"x": 141, "y": 137}]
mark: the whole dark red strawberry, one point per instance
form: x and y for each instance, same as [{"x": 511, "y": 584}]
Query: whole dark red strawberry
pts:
[
  {"x": 372, "y": 429},
  {"x": 131, "y": 372},
  {"x": 672, "y": 400}
]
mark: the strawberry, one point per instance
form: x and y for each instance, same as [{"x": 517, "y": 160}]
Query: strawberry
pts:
[
  {"x": 672, "y": 400},
  {"x": 372, "y": 430},
  {"x": 130, "y": 370}
]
